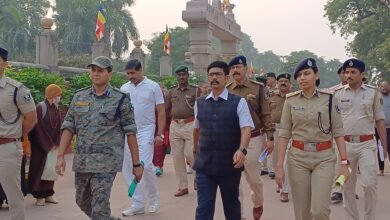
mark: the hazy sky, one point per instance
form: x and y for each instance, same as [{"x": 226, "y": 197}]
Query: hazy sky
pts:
[{"x": 278, "y": 25}]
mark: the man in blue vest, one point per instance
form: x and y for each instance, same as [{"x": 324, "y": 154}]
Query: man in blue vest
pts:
[{"x": 222, "y": 132}]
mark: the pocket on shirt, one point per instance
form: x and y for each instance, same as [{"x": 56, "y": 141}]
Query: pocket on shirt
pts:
[
  {"x": 368, "y": 109},
  {"x": 107, "y": 116}
]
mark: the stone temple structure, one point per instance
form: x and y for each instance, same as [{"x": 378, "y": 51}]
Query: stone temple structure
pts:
[{"x": 206, "y": 20}]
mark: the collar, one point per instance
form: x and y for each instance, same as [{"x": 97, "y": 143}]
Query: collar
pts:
[
  {"x": 245, "y": 84},
  {"x": 185, "y": 88},
  {"x": 316, "y": 93},
  {"x": 106, "y": 93},
  {"x": 2, "y": 81},
  {"x": 362, "y": 86},
  {"x": 140, "y": 83},
  {"x": 223, "y": 95}
]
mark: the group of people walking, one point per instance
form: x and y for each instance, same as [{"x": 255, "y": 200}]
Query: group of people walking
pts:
[{"x": 315, "y": 136}]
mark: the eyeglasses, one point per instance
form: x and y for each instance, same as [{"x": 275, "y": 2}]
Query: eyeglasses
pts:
[{"x": 217, "y": 74}]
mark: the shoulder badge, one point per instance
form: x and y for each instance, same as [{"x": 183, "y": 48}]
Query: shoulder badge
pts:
[
  {"x": 325, "y": 91},
  {"x": 229, "y": 84},
  {"x": 172, "y": 87},
  {"x": 255, "y": 82},
  {"x": 193, "y": 85},
  {"x": 291, "y": 94}
]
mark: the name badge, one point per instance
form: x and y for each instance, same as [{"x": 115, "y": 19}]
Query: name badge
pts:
[
  {"x": 298, "y": 108},
  {"x": 344, "y": 100},
  {"x": 80, "y": 103}
]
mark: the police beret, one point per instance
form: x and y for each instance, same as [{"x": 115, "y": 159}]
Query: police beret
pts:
[
  {"x": 305, "y": 64},
  {"x": 3, "y": 54},
  {"x": 284, "y": 75},
  {"x": 238, "y": 60},
  {"x": 181, "y": 68},
  {"x": 219, "y": 64},
  {"x": 261, "y": 79},
  {"x": 270, "y": 74},
  {"x": 354, "y": 63},
  {"x": 340, "y": 70}
]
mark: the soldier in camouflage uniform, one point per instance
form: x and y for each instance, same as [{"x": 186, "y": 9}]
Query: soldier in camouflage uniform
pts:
[{"x": 100, "y": 116}]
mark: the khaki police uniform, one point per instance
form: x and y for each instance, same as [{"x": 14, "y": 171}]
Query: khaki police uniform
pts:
[
  {"x": 12, "y": 109},
  {"x": 311, "y": 159},
  {"x": 360, "y": 110},
  {"x": 180, "y": 103},
  {"x": 259, "y": 108},
  {"x": 276, "y": 102}
]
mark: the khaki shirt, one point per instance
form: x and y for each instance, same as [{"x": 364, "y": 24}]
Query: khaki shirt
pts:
[
  {"x": 334, "y": 88},
  {"x": 276, "y": 102},
  {"x": 270, "y": 92},
  {"x": 181, "y": 102},
  {"x": 258, "y": 104},
  {"x": 9, "y": 128},
  {"x": 100, "y": 125},
  {"x": 300, "y": 117},
  {"x": 360, "y": 109}
]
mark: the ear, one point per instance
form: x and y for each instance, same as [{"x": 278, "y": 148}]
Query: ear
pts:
[{"x": 317, "y": 75}]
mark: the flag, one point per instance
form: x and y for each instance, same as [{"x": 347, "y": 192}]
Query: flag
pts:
[
  {"x": 167, "y": 42},
  {"x": 100, "y": 21},
  {"x": 251, "y": 71}
]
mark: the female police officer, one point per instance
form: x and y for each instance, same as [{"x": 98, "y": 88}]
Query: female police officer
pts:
[{"x": 312, "y": 119}]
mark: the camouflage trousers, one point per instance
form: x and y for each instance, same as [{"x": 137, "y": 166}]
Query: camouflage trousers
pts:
[{"x": 93, "y": 191}]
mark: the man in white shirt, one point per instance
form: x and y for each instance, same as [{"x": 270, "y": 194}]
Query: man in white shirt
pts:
[{"x": 146, "y": 97}]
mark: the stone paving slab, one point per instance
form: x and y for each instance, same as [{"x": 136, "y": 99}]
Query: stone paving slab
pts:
[{"x": 182, "y": 208}]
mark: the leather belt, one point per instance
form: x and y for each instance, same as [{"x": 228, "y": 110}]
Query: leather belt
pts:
[
  {"x": 255, "y": 133},
  {"x": 185, "y": 121},
  {"x": 7, "y": 140},
  {"x": 313, "y": 147},
  {"x": 358, "y": 138}
]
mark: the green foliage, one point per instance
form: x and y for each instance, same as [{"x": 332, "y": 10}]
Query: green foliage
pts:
[
  {"x": 367, "y": 23},
  {"x": 20, "y": 23},
  {"x": 37, "y": 81}
]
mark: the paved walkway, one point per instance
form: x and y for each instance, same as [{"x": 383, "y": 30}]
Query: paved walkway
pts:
[{"x": 181, "y": 208}]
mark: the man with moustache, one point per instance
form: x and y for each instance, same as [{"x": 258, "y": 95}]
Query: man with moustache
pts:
[
  {"x": 180, "y": 105},
  {"x": 222, "y": 131},
  {"x": 253, "y": 93},
  {"x": 343, "y": 80},
  {"x": 146, "y": 97},
  {"x": 276, "y": 102},
  {"x": 361, "y": 108}
]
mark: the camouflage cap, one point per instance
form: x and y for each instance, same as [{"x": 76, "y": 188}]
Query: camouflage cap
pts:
[
  {"x": 181, "y": 68},
  {"x": 102, "y": 62}
]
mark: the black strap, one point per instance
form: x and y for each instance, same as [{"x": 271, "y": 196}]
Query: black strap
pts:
[
  {"x": 118, "y": 109},
  {"x": 330, "y": 110}
]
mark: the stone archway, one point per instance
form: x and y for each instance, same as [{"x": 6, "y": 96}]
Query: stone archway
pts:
[{"x": 204, "y": 21}]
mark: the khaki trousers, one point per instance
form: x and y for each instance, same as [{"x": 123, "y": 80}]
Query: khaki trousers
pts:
[
  {"x": 182, "y": 143},
  {"x": 311, "y": 178},
  {"x": 10, "y": 164},
  {"x": 336, "y": 189},
  {"x": 362, "y": 155},
  {"x": 252, "y": 173}
]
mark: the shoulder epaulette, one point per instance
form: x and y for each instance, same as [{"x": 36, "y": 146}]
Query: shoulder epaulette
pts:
[
  {"x": 325, "y": 91},
  {"x": 338, "y": 88},
  {"x": 13, "y": 82},
  {"x": 193, "y": 85},
  {"x": 229, "y": 84},
  {"x": 255, "y": 82},
  {"x": 118, "y": 90},
  {"x": 79, "y": 90},
  {"x": 371, "y": 86},
  {"x": 291, "y": 94}
]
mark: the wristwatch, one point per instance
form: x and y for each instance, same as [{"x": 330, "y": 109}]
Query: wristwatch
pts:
[
  {"x": 243, "y": 150},
  {"x": 136, "y": 165},
  {"x": 344, "y": 162}
]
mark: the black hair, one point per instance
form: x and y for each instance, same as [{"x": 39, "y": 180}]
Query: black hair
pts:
[
  {"x": 133, "y": 64},
  {"x": 109, "y": 69},
  {"x": 219, "y": 64}
]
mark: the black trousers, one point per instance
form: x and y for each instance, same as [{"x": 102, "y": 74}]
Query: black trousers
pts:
[{"x": 382, "y": 163}]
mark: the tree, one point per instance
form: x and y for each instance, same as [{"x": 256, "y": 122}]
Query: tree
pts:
[
  {"x": 179, "y": 44},
  {"x": 20, "y": 23},
  {"x": 76, "y": 22},
  {"x": 268, "y": 61},
  {"x": 367, "y": 21}
]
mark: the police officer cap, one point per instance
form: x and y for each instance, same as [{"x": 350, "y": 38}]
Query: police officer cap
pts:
[
  {"x": 354, "y": 63},
  {"x": 102, "y": 62},
  {"x": 238, "y": 60},
  {"x": 261, "y": 79},
  {"x": 270, "y": 74},
  {"x": 340, "y": 70},
  {"x": 305, "y": 64},
  {"x": 181, "y": 69},
  {"x": 284, "y": 75},
  {"x": 3, "y": 54}
]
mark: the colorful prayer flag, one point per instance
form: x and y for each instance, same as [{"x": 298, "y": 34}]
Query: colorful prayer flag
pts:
[
  {"x": 100, "y": 21},
  {"x": 167, "y": 42}
]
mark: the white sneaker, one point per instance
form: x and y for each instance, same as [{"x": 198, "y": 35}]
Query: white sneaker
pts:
[
  {"x": 153, "y": 208},
  {"x": 133, "y": 211}
]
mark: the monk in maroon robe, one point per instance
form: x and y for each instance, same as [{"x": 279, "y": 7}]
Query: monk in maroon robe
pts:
[{"x": 44, "y": 137}]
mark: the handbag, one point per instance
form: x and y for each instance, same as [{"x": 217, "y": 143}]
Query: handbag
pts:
[{"x": 49, "y": 171}]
